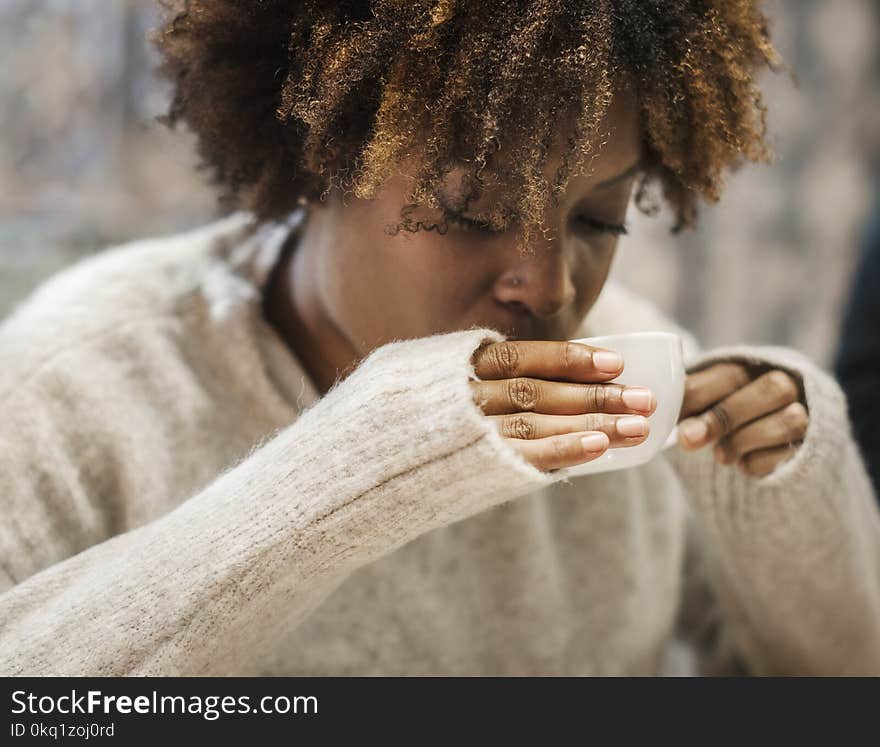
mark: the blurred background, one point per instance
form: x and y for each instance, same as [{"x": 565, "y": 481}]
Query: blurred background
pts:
[{"x": 84, "y": 165}]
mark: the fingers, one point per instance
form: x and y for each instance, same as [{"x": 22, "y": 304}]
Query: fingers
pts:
[
  {"x": 560, "y": 398},
  {"x": 557, "y": 452},
  {"x": 781, "y": 428},
  {"x": 622, "y": 431},
  {"x": 546, "y": 359},
  {"x": 704, "y": 388},
  {"x": 763, "y": 462},
  {"x": 766, "y": 394}
]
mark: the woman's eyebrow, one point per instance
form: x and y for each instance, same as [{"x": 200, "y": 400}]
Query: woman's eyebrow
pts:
[{"x": 631, "y": 171}]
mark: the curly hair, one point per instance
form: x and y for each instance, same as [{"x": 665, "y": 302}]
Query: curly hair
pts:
[{"x": 291, "y": 98}]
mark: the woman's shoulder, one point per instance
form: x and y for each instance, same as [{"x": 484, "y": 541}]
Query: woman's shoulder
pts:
[
  {"x": 113, "y": 293},
  {"x": 134, "y": 276}
]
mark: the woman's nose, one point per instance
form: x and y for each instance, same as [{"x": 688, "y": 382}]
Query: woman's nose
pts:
[{"x": 541, "y": 283}]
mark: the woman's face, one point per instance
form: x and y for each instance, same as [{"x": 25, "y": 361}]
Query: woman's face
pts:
[{"x": 372, "y": 287}]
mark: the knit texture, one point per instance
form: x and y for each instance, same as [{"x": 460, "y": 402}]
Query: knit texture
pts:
[{"x": 177, "y": 500}]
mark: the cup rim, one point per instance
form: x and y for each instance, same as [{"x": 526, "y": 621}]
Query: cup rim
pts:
[
  {"x": 601, "y": 465},
  {"x": 631, "y": 335}
]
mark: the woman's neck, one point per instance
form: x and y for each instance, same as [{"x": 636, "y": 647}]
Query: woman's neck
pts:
[{"x": 293, "y": 307}]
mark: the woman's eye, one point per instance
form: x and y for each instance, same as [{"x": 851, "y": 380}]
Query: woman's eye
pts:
[
  {"x": 600, "y": 226},
  {"x": 592, "y": 224}
]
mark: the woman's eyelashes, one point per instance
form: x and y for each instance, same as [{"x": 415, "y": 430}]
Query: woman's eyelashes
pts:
[
  {"x": 600, "y": 226},
  {"x": 591, "y": 224}
]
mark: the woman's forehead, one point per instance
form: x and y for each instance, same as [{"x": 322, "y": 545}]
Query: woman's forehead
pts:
[{"x": 615, "y": 149}]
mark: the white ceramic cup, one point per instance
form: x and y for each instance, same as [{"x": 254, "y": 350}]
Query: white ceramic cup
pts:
[{"x": 654, "y": 360}]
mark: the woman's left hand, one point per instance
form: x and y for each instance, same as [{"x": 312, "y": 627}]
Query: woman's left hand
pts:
[{"x": 756, "y": 418}]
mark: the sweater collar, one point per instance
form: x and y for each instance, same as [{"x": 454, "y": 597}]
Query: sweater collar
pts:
[{"x": 253, "y": 250}]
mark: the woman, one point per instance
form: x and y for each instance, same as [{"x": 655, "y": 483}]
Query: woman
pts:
[{"x": 324, "y": 434}]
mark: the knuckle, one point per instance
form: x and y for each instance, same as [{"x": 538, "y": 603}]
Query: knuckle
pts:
[
  {"x": 795, "y": 419},
  {"x": 738, "y": 376},
  {"x": 523, "y": 393},
  {"x": 505, "y": 358},
  {"x": 518, "y": 426},
  {"x": 780, "y": 385},
  {"x": 594, "y": 423},
  {"x": 567, "y": 355},
  {"x": 761, "y": 465}
]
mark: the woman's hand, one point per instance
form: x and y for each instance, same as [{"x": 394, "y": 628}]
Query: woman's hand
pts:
[
  {"x": 757, "y": 418},
  {"x": 552, "y": 402}
]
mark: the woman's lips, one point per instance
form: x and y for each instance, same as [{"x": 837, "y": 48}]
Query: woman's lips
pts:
[
  {"x": 516, "y": 330},
  {"x": 523, "y": 326},
  {"x": 512, "y": 325}
]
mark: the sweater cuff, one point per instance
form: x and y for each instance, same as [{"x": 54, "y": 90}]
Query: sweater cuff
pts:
[
  {"x": 411, "y": 443},
  {"x": 828, "y": 433},
  {"x": 428, "y": 379}
]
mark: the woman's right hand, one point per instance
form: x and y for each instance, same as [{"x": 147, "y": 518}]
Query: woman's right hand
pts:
[{"x": 552, "y": 402}]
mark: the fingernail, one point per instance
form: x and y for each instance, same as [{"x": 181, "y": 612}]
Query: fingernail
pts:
[
  {"x": 638, "y": 398},
  {"x": 634, "y": 425},
  {"x": 694, "y": 430},
  {"x": 595, "y": 442},
  {"x": 607, "y": 361}
]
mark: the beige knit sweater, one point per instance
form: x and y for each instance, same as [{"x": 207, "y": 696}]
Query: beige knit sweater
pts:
[{"x": 175, "y": 499}]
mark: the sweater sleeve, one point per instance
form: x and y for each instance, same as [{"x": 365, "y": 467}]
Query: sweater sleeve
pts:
[
  {"x": 395, "y": 450},
  {"x": 783, "y": 576}
]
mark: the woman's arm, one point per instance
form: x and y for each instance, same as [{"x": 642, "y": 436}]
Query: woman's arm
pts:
[
  {"x": 395, "y": 450},
  {"x": 792, "y": 558},
  {"x": 783, "y": 571}
]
